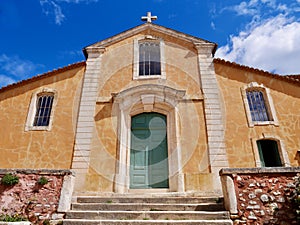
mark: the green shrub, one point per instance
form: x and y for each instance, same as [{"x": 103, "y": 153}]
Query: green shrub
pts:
[
  {"x": 12, "y": 218},
  {"x": 9, "y": 179},
  {"x": 43, "y": 181},
  {"x": 46, "y": 222}
]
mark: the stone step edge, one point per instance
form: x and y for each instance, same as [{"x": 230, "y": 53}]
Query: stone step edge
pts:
[
  {"x": 217, "y": 221},
  {"x": 150, "y": 193},
  {"x": 148, "y": 196},
  {"x": 151, "y": 212},
  {"x": 145, "y": 199},
  {"x": 146, "y": 204}
]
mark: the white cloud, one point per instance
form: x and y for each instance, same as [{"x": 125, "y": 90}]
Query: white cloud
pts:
[
  {"x": 260, "y": 7},
  {"x": 212, "y": 25},
  {"x": 78, "y": 1},
  {"x": 12, "y": 68},
  {"x": 59, "y": 16},
  {"x": 272, "y": 45},
  {"x": 6, "y": 80},
  {"x": 53, "y": 8},
  {"x": 245, "y": 8},
  {"x": 17, "y": 67},
  {"x": 70, "y": 54}
]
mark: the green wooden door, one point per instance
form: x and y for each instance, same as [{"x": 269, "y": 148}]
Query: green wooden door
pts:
[
  {"x": 268, "y": 153},
  {"x": 149, "y": 152}
]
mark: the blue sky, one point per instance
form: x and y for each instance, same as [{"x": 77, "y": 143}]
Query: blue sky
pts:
[{"x": 42, "y": 35}]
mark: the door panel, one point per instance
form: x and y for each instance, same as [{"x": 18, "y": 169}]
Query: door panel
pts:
[{"x": 149, "y": 152}]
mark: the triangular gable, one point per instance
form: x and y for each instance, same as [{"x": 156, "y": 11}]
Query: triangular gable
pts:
[{"x": 149, "y": 26}]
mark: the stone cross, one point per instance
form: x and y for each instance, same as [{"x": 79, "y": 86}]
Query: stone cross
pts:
[{"x": 149, "y": 17}]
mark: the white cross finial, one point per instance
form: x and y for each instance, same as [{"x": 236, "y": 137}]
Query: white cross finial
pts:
[{"x": 149, "y": 17}]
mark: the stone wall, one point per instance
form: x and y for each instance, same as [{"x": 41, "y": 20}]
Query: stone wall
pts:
[
  {"x": 260, "y": 195},
  {"x": 34, "y": 201}
]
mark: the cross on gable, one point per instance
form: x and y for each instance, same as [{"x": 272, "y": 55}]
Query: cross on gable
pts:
[{"x": 149, "y": 17}]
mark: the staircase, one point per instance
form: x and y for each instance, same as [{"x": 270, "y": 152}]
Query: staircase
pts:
[{"x": 147, "y": 210}]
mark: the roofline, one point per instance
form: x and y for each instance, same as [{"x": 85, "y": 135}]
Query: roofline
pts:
[
  {"x": 42, "y": 76},
  {"x": 287, "y": 78},
  {"x": 132, "y": 31}
]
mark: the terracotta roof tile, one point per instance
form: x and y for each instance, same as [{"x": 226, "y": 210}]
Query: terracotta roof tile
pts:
[
  {"x": 294, "y": 77},
  {"x": 41, "y": 76},
  {"x": 289, "y": 78}
]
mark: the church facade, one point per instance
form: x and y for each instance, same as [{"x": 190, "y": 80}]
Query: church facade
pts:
[{"x": 150, "y": 111}]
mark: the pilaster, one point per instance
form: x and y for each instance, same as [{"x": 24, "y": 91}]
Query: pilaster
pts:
[
  {"x": 214, "y": 113},
  {"x": 85, "y": 123}
]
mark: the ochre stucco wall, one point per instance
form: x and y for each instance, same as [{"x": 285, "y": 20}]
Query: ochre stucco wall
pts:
[
  {"x": 40, "y": 149},
  {"x": 286, "y": 99},
  {"x": 117, "y": 75}
]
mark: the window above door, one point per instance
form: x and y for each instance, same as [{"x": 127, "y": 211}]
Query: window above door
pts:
[{"x": 149, "y": 58}]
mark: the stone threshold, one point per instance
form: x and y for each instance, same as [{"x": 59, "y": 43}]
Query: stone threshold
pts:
[{"x": 149, "y": 194}]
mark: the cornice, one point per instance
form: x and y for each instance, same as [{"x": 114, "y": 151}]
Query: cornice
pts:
[
  {"x": 42, "y": 76},
  {"x": 288, "y": 78}
]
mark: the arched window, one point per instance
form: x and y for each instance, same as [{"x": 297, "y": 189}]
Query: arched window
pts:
[
  {"x": 43, "y": 109},
  {"x": 40, "y": 113},
  {"x": 259, "y": 105}
]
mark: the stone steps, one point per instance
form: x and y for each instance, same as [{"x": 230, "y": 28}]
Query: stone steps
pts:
[
  {"x": 146, "y": 222},
  {"x": 148, "y": 207},
  {"x": 147, "y": 210},
  {"x": 162, "y": 199},
  {"x": 142, "y": 215}
]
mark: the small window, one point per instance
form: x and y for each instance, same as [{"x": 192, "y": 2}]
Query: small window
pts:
[
  {"x": 43, "y": 110},
  {"x": 257, "y": 106},
  {"x": 268, "y": 153},
  {"x": 149, "y": 59}
]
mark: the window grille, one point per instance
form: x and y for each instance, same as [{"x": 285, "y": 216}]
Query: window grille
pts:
[
  {"x": 257, "y": 106},
  {"x": 43, "y": 110},
  {"x": 149, "y": 59}
]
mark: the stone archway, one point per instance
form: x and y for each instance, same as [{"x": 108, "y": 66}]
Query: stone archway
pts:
[{"x": 148, "y": 98}]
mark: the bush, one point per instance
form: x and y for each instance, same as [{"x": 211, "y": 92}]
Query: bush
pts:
[
  {"x": 43, "y": 181},
  {"x": 9, "y": 179},
  {"x": 12, "y": 218}
]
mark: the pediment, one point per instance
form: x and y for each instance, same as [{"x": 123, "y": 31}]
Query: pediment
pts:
[{"x": 150, "y": 28}]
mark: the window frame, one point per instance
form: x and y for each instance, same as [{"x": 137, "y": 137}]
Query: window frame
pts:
[
  {"x": 33, "y": 107},
  {"x": 268, "y": 102},
  {"x": 136, "y": 63}
]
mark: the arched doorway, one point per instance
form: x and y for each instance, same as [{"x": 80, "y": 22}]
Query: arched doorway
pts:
[
  {"x": 142, "y": 100},
  {"x": 149, "y": 151}
]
